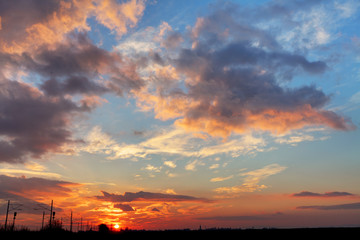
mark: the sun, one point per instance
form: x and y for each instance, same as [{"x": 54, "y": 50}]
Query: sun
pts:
[{"x": 116, "y": 226}]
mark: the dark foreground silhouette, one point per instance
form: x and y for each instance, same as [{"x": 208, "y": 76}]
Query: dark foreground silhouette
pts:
[{"x": 308, "y": 233}]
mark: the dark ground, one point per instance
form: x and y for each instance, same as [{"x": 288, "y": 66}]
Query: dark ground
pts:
[{"x": 306, "y": 233}]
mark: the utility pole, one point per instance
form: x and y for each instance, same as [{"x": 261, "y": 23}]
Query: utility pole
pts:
[
  {"x": 13, "y": 225},
  {"x": 71, "y": 222},
  {"x": 7, "y": 213},
  {"x": 42, "y": 223},
  {"x": 51, "y": 212}
]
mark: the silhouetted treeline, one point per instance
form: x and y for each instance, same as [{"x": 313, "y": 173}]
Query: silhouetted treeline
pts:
[{"x": 104, "y": 233}]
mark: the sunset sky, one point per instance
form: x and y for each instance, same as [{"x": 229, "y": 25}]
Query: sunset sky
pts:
[{"x": 166, "y": 114}]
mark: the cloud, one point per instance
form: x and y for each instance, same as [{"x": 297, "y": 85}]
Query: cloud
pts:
[
  {"x": 21, "y": 185},
  {"x": 32, "y": 124},
  {"x": 234, "y": 74},
  {"x": 191, "y": 165},
  {"x": 148, "y": 197},
  {"x": 72, "y": 63},
  {"x": 173, "y": 140},
  {"x": 252, "y": 179},
  {"x": 172, "y": 40},
  {"x": 119, "y": 17},
  {"x": 38, "y": 173},
  {"x": 124, "y": 207},
  {"x": 220, "y": 179},
  {"x": 77, "y": 66},
  {"x": 246, "y": 145},
  {"x": 304, "y": 25},
  {"x": 170, "y": 164},
  {"x": 293, "y": 138},
  {"x": 28, "y": 191},
  {"x": 150, "y": 167},
  {"x": 214, "y": 166},
  {"x": 72, "y": 85},
  {"x": 325, "y": 195},
  {"x": 48, "y": 22},
  {"x": 170, "y": 142},
  {"x": 347, "y": 206}
]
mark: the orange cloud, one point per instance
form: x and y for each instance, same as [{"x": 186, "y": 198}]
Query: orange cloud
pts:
[
  {"x": 164, "y": 107},
  {"x": 118, "y": 17},
  {"x": 50, "y": 23},
  {"x": 195, "y": 115}
]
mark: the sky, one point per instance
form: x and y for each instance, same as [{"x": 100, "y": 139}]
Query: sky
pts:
[{"x": 178, "y": 114}]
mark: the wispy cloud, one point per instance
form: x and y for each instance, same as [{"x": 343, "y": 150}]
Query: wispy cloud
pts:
[
  {"x": 192, "y": 165},
  {"x": 12, "y": 171},
  {"x": 294, "y": 139},
  {"x": 251, "y": 180},
  {"x": 220, "y": 179},
  {"x": 170, "y": 141},
  {"x": 170, "y": 164}
]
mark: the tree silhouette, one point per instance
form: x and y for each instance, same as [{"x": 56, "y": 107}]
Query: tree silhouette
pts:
[{"x": 103, "y": 228}]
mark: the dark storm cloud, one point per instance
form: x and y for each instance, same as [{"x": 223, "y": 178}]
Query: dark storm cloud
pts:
[
  {"x": 148, "y": 196},
  {"x": 31, "y": 123},
  {"x": 326, "y": 194},
  {"x": 347, "y": 206},
  {"x": 245, "y": 54},
  {"x": 75, "y": 66},
  {"x": 72, "y": 85},
  {"x": 75, "y": 56}
]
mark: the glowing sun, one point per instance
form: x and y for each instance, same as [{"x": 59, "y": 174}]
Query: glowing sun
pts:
[{"x": 116, "y": 226}]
